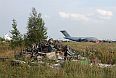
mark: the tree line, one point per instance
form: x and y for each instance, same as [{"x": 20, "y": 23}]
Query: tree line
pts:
[{"x": 36, "y": 31}]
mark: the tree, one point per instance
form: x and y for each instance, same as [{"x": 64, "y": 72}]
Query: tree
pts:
[
  {"x": 1, "y": 39},
  {"x": 36, "y": 31},
  {"x": 15, "y": 35}
]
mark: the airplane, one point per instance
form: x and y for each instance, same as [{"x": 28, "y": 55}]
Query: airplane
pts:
[{"x": 78, "y": 39}]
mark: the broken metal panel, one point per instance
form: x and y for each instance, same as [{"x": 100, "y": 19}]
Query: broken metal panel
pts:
[{"x": 51, "y": 55}]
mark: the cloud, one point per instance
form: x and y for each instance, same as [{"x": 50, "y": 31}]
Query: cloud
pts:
[
  {"x": 73, "y": 16},
  {"x": 96, "y": 15},
  {"x": 104, "y": 13},
  {"x": 64, "y": 15}
]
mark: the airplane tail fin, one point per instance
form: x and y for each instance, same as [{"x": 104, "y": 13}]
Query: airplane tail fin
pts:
[{"x": 65, "y": 33}]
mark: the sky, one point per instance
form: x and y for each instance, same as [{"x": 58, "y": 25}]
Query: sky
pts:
[{"x": 85, "y": 18}]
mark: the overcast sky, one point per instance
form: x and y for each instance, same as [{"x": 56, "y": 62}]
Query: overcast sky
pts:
[{"x": 95, "y": 18}]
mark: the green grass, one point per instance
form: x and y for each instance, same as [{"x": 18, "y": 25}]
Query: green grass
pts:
[
  {"x": 69, "y": 70},
  {"x": 25, "y": 71}
]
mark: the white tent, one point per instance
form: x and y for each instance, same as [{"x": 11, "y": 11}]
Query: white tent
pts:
[{"x": 7, "y": 37}]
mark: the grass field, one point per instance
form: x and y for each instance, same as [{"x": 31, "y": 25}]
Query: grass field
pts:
[
  {"x": 105, "y": 52},
  {"x": 5, "y": 50},
  {"x": 70, "y": 69}
]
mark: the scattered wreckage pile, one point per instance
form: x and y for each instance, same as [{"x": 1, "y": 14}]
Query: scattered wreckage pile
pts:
[{"x": 52, "y": 50}]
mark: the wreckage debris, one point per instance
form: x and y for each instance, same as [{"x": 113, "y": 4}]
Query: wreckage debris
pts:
[
  {"x": 51, "y": 50},
  {"x": 17, "y": 62},
  {"x": 3, "y": 58}
]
